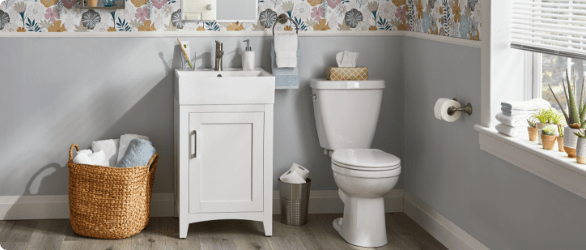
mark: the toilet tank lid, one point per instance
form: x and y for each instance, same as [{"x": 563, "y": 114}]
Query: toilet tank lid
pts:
[{"x": 322, "y": 83}]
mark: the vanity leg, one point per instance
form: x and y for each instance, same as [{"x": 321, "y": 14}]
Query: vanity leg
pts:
[
  {"x": 183, "y": 227},
  {"x": 268, "y": 225}
]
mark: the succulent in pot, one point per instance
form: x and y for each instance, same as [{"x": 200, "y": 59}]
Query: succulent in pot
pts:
[
  {"x": 561, "y": 138},
  {"x": 544, "y": 118},
  {"x": 531, "y": 129},
  {"x": 558, "y": 119},
  {"x": 581, "y": 146},
  {"x": 576, "y": 115},
  {"x": 548, "y": 138}
]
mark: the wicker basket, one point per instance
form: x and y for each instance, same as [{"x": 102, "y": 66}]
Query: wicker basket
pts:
[{"x": 107, "y": 202}]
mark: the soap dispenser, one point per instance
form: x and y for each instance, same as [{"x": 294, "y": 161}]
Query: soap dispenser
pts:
[{"x": 248, "y": 57}]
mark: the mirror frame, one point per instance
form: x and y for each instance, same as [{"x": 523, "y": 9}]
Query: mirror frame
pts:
[{"x": 222, "y": 21}]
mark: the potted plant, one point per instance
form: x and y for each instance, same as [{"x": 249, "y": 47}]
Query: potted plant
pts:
[
  {"x": 581, "y": 146},
  {"x": 531, "y": 121},
  {"x": 93, "y": 3},
  {"x": 544, "y": 117},
  {"x": 548, "y": 138},
  {"x": 576, "y": 115},
  {"x": 558, "y": 119},
  {"x": 561, "y": 138}
]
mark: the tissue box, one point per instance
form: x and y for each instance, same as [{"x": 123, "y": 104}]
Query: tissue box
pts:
[{"x": 341, "y": 74}]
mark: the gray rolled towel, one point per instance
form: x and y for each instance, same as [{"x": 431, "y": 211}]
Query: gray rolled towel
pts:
[{"x": 139, "y": 153}]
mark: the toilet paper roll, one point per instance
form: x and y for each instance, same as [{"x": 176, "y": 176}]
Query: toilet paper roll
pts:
[
  {"x": 300, "y": 169},
  {"x": 441, "y": 110},
  {"x": 292, "y": 177}
]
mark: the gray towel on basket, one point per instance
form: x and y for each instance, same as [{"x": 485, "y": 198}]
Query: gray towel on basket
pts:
[{"x": 139, "y": 153}]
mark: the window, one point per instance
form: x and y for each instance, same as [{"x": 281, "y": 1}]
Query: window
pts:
[
  {"x": 555, "y": 30},
  {"x": 556, "y": 27},
  {"x": 550, "y": 70}
]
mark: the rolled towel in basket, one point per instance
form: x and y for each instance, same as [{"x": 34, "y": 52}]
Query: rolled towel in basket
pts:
[
  {"x": 139, "y": 153},
  {"x": 110, "y": 148},
  {"x": 125, "y": 141},
  {"x": 86, "y": 157}
]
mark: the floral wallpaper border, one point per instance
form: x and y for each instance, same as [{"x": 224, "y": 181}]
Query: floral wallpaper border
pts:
[{"x": 454, "y": 18}]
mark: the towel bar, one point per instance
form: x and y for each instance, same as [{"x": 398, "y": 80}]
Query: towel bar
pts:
[{"x": 282, "y": 19}]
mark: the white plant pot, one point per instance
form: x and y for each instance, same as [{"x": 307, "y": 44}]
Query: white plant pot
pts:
[
  {"x": 541, "y": 126},
  {"x": 581, "y": 150},
  {"x": 570, "y": 139}
]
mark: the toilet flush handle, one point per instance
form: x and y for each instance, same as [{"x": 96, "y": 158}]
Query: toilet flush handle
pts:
[{"x": 314, "y": 96}]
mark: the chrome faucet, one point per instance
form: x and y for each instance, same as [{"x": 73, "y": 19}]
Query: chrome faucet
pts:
[{"x": 219, "y": 54}]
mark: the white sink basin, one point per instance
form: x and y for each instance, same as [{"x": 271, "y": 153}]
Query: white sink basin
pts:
[{"x": 231, "y": 86}]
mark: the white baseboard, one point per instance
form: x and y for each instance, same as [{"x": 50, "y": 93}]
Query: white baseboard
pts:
[
  {"x": 320, "y": 202},
  {"x": 445, "y": 231},
  {"x": 162, "y": 205}
]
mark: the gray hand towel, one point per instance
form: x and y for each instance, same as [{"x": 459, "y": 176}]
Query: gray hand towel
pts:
[{"x": 139, "y": 153}]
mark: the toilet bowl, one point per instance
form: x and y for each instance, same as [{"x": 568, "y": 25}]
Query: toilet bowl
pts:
[{"x": 364, "y": 177}]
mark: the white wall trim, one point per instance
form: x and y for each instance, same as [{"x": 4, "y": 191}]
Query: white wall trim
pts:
[
  {"x": 163, "y": 205},
  {"x": 175, "y": 34},
  {"x": 552, "y": 166},
  {"x": 445, "y": 231},
  {"x": 321, "y": 202}
]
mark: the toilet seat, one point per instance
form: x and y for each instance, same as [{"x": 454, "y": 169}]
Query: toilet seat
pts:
[
  {"x": 365, "y": 163},
  {"x": 365, "y": 159}
]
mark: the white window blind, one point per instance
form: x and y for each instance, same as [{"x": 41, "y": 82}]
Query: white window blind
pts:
[{"x": 555, "y": 27}]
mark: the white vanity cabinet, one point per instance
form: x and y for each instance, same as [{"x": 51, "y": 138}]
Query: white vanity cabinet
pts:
[{"x": 223, "y": 149}]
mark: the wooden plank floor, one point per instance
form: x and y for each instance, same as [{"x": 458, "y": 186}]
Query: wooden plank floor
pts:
[{"x": 162, "y": 233}]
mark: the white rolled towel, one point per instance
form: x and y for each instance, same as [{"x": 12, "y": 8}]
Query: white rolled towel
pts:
[
  {"x": 303, "y": 172},
  {"x": 86, "y": 157},
  {"x": 292, "y": 177},
  {"x": 125, "y": 141},
  {"x": 110, "y": 148}
]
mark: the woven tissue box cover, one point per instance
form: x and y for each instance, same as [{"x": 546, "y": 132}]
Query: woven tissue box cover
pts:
[{"x": 341, "y": 74}]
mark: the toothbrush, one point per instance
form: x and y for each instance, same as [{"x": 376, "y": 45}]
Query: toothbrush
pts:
[{"x": 185, "y": 53}]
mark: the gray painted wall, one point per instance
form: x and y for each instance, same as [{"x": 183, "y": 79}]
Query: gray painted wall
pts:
[
  {"x": 59, "y": 91},
  {"x": 499, "y": 204}
]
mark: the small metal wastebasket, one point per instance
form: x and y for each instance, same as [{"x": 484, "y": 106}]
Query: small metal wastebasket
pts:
[{"x": 294, "y": 202}]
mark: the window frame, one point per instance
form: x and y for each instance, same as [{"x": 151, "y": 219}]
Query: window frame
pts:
[{"x": 496, "y": 79}]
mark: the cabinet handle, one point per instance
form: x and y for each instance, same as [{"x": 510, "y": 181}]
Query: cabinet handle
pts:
[{"x": 195, "y": 143}]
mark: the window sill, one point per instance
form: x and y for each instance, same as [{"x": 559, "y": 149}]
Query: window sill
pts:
[{"x": 553, "y": 166}]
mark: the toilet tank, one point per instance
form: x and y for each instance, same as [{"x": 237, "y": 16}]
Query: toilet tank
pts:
[{"x": 346, "y": 112}]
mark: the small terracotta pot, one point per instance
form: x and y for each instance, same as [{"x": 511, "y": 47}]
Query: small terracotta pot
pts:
[
  {"x": 92, "y": 3},
  {"x": 548, "y": 141},
  {"x": 532, "y": 133},
  {"x": 581, "y": 150},
  {"x": 561, "y": 144}
]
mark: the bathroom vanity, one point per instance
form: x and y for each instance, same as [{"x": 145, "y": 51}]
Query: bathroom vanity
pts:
[{"x": 223, "y": 146}]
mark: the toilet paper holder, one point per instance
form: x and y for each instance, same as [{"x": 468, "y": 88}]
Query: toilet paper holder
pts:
[{"x": 466, "y": 109}]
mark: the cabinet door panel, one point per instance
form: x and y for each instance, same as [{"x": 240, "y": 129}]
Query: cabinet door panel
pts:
[{"x": 226, "y": 162}]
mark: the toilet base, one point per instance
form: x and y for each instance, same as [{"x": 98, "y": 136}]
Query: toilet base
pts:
[{"x": 363, "y": 223}]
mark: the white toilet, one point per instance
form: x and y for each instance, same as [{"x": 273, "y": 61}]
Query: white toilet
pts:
[{"x": 346, "y": 113}]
